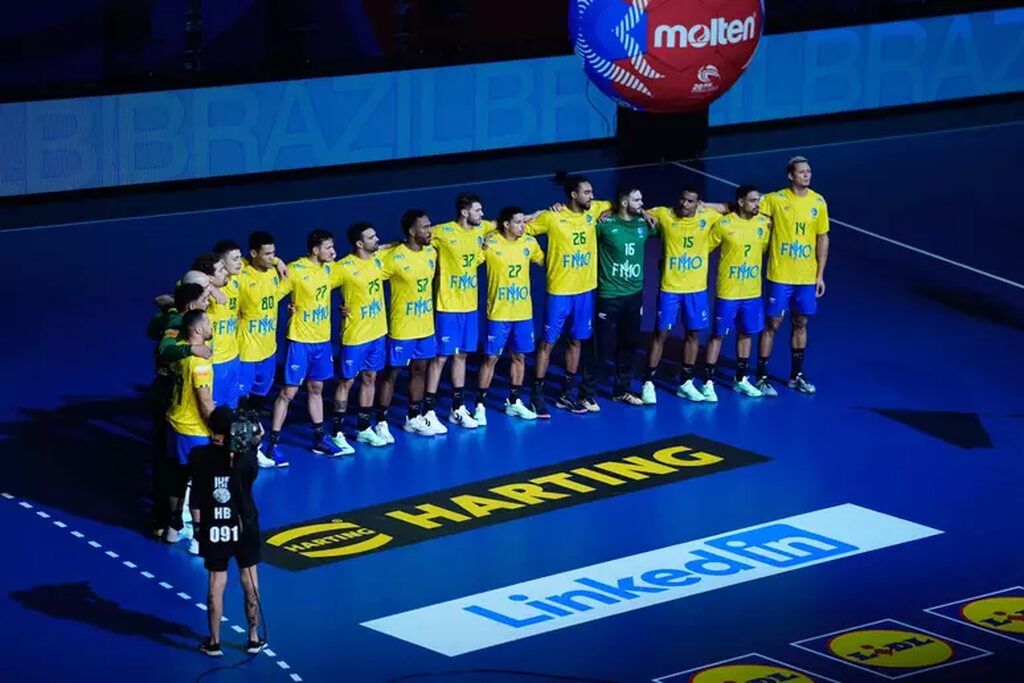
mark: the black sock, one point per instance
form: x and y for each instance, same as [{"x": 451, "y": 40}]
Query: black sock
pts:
[
  {"x": 798, "y": 362},
  {"x": 429, "y": 399},
  {"x": 363, "y": 419},
  {"x": 649, "y": 375},
  {"x": 538, "y": 386},
  {"x": 568, "y": 379},
  {"x": 513, "y": 393},
  {"x": 457, "y": 398},
  {"x": 318, "y": 431},
  {"x": 687, "y": 374},
  {"x": 709, "y": 371},
  {"x": 415, "y": 407},
  {"x": 337, "y": 421},
  {"x": 762, "y": 366},
  {"x": 382, "y": 414},
  {"x": 481, "y": 396},
  {"x": 742, "y": 367},
  {"x": 275, "y": 437}
]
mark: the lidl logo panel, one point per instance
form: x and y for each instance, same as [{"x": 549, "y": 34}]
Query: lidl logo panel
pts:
[
  {"x": 892, "y": 649},
  {"x": 356, "y": 533},
  {"x": 749, "y": 668},
  {"x": 1000, "y": 613},
  {"x": 611, "y": 588}
]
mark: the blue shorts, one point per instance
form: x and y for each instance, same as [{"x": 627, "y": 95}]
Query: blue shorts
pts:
[
  {"x": 692, "y": 308},
  {"x": 358, "y": 357},
  {"x": 747, "y": 314},
  {"x": 800, "y": 299},
  {"x": 308, "y": 361},
  {"x": 457, "y": 332},
  {"x": 499, "y": 331},
  {"x": 226, "y": 379},
  {"x": 180, "y": 445},
  {"x": 561, "y": 307},
  {"x": 256, "y": 377},
  {"x": 402, "y": 351}
]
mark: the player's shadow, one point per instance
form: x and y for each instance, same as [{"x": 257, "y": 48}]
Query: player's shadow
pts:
[
  {"x": 79, "y": 602},
  {"x": 1006, "y": 313},
  {"x": 90, "y": 457}
]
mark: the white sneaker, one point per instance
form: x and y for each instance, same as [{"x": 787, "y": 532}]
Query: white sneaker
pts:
[
  {"x": 171, "y": 535},
  {"x": 417, "y": 425},
  {"x": 462, "y": 418},
  {"x": 382, "y": 430},
  {"x": 689, "y": 391},
  {"x": 263, "y": 460},
  {"x": 371, "y": 438},
  {"x": 648, "y": 395},
  {"x": 764, "y": 385},
  {"x": 344, "y": 447},
  {"x": 708, "y": 392},
  {"x": 517, "y": 409},
  {"x": 193, "y": 546},
  {"x": 435, "y": 425},
  {"x": 480, "y": 415},
  {"x": 743, "y": 386}
]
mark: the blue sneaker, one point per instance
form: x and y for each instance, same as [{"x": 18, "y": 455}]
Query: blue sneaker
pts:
[
  {"x": 326, "y": 446},
  {"x": 276, "y": 455}
]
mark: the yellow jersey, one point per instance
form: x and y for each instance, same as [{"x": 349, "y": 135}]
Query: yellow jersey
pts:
[
  {"x": 739, "y": 264},
  {"x": 311, "y": 294},
  {"x": 796, "y": 224},
  {"x": 190, "y": 373},
  {"x": 508, "y": 277},
  {"x": 260, "y": 293},
  {"x": 572, "y": 247},
  {"x": 224, "y": 320},
  {"x": 411, "y": 315},
  {"x": 458, "y": 258},
  {"x": 685, "y": 269},
  {"x": 362, "y": 290}
]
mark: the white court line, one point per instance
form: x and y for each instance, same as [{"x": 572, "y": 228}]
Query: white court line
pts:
[
  {"x": 877, "y": 236},
  {"x": 376, "y": 193},
  {"x": 975, "y": 597},
  {"x": 962, "y": 622}
]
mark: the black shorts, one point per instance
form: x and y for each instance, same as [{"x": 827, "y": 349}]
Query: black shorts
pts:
[
  {"x": 175, "y": 477},
  {"x": 217, "y": 556}
]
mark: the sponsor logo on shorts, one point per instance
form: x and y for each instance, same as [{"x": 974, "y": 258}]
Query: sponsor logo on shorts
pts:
[{"x": 514, "y": 496}]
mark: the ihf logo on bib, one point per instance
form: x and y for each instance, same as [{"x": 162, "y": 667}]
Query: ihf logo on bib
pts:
[{"x": 665, "y": 55}]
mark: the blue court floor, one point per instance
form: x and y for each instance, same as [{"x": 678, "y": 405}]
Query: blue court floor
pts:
[{"x": 872, "y": 531}]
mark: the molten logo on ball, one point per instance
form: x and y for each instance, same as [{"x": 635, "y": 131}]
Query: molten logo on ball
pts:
[{"x": 665, "y": 55}]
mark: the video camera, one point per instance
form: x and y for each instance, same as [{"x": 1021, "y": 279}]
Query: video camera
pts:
[{"x": 244, "y": 428}]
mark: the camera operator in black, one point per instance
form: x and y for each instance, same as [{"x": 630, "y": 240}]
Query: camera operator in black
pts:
[{"x": 227, "y": 526}]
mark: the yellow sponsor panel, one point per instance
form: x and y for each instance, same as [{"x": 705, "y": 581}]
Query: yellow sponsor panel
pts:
[
  {"x": 891, "y": 649},
  {"x": 1004, "y": 614},
  {"x": 331, "y": 539},
  {"x": 749, "y": 673}
]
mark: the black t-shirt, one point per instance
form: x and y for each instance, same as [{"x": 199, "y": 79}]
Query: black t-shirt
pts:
[{"x": 222, "y": 491}]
